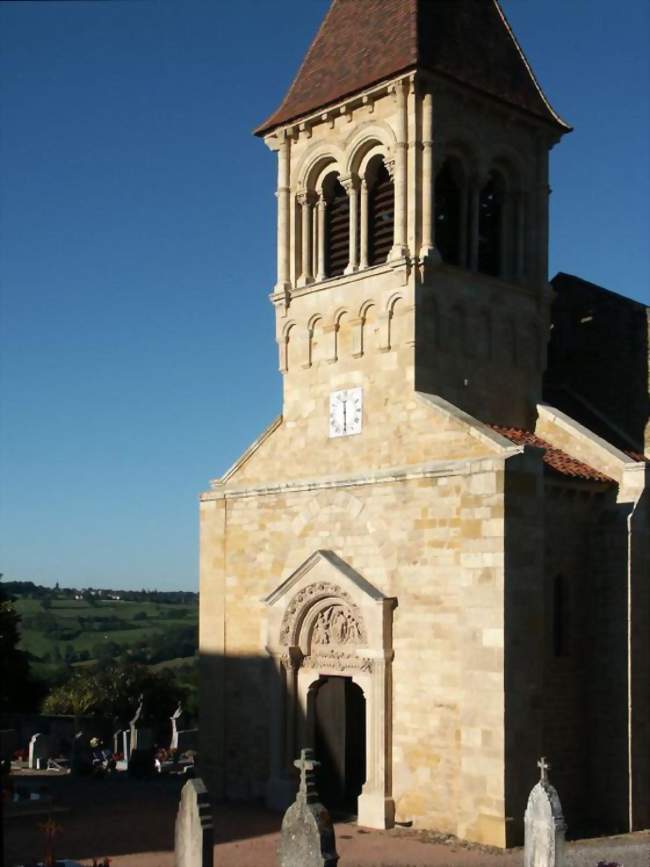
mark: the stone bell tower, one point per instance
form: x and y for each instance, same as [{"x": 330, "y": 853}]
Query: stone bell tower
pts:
[{"x": 413, "y": 212}]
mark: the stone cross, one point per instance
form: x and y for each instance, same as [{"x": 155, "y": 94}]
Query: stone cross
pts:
[
  {"x": 307, "y": 767},
  {"x": 194, "y": 835},
  {"x": 544, "y": 768},
  {"x": 544, "y": 824},
  {"x": 307, "y": 838}
]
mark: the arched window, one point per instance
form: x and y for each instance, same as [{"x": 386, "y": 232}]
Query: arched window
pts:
[
  {"x": 448, "y": 213},
  {"x": 381, "y": 212},
  {"x": 490, "y": 226},
  {"x": 337, "y": 227}
]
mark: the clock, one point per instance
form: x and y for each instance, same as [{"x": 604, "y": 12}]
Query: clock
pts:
[{"x": 346, "y": 412}]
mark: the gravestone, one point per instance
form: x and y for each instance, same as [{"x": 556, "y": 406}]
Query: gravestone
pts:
[
  {"x": 176, "y": 720},
  {"x": 80, "y": 760},
  {"x": 126, "y": 744},
  {"x": 307, "y": 838},
  {"x": 117, "y": 741},
  {"x": 39, "y": 751},
  {"x": 544, "y": 824},
  {"x": 141, "y": 746},
  {"x": 194, "y": 835}
]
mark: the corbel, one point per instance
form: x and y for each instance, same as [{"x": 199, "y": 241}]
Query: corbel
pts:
[
  {"x": 369, "y": 102},
  {"x": 345, "y": 112}
]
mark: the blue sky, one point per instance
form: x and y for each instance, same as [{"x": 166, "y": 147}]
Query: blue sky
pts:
[{"x": 137, "y": 244}]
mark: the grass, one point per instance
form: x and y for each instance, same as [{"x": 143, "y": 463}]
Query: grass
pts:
[{"x": 75, "y": 615}]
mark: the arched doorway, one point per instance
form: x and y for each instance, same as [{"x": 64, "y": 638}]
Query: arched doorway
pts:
[
  {"x": 329, "y": 629},
  {"x": 339, "y": 718}
]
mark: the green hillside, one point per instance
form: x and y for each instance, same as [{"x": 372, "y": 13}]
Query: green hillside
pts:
[{"x": 59, "y": 629}]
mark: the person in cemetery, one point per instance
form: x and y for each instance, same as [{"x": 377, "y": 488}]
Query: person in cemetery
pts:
[{"x": 433, "y": 565}]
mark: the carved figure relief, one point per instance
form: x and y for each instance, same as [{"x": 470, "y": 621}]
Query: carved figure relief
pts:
[
  {"x": 304, "y": 599},
  {"x": 337, "y": 630},
  {"x": 336, "y": 625}
]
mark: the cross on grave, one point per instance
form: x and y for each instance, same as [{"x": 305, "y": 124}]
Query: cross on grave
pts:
[
  {"x": 544, "y": 768},
  {"x": 307, "y": 765}
]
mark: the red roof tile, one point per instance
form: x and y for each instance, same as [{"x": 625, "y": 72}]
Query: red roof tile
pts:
[
  {"x": 637, "y": 456},
  {"x": 555, "y": 459},
  {"x": 363, "y": 42}
]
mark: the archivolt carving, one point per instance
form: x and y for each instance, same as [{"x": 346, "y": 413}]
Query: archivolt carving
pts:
[
  {"x": 337, "y": 662},
  {"x": 339, "y": 623}
]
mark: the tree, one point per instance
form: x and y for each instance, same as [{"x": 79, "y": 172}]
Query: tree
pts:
[
  {"x": 112, "y": 691},
  {"x": 16, "y": 687}
]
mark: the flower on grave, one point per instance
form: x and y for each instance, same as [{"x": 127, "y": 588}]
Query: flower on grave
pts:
[{"x": 51, "y": 831}]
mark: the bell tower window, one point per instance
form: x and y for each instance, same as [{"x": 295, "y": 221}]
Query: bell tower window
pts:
[
  {"x": 381, "y": 212},
  {"x": 448, "y": 219},
  {"x": 337, "y": 227},
  {"x": 491, "y": 226}
]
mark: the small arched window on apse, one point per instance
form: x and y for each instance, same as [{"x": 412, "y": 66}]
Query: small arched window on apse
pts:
[
  {"x": 370, "y": 329},
  {"x": 337, "y": 226},
  {"x": 381, "y": 211},
  {"x": 449, "y": 212},
  {"x": 344, "y": 336},
  {"x": 316, "y": 337},
  {"x": 491, "y": 225}
]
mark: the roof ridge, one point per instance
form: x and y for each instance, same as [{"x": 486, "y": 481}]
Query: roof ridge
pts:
[
  {"x": 294, "y": 81},
  {"x": 531, "y": 73}
]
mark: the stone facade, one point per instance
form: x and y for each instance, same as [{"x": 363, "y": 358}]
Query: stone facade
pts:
[{"x": 417, "y": 557}]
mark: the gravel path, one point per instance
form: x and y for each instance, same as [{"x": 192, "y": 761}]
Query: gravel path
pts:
[{"x": 133, "y": 823}]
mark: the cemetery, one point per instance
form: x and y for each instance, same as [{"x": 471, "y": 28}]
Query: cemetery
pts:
[
  {"x": 163, "y": 816},
  {"x": 429, "y": 690}
]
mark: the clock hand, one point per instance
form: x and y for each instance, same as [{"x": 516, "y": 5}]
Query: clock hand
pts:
[{"x": 345, "y": 415}]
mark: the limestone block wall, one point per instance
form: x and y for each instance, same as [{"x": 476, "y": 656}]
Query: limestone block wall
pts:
[
  {"x": 571, "y": 514},
  {"x": 473, "y": 333},
  {"x": 436, "y": 543},
  {"x": 523, "y": 612}
]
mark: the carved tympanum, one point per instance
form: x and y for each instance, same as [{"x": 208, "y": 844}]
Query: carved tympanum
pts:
[{"x": 336, "y": 625}]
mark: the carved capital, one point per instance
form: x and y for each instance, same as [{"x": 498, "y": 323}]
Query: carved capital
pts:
[
  {"x": 350, "y": 184},
  {"x": 306, "y": 197},
  {"x": 390, "y": 168}
]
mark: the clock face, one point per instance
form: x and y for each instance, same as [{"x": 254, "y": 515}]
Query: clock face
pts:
[{"x": 346, "y": 412}]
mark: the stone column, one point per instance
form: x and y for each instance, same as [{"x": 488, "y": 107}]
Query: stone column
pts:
[
  {"x": 363, "y": 252},
  {"x": 284, "y": 203},
  {"x": 463, "y": 253},
  {"x": 321, "y": 206},
  {"x": 474, "y": 197},
  {"x": 520, "y": 266},
  {"x": 506, "y": 229},
  {"x": 541, "y": 228},
  {"x": 306, "y": 201},
  {"x": 375, "y": 805},
  {"x": 351, "y": 187},
  {"x": 428, "y": 189},
  {"x": 399, "y": 250}
]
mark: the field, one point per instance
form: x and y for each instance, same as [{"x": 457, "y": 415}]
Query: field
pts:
[{"x": 79, "y": 631}]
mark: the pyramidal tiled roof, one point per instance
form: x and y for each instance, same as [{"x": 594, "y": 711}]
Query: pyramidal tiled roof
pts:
[{"x": 363, "y": 42}]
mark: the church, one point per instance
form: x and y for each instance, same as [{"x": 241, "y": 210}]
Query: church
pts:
[{"x": 433, "y": 566}]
